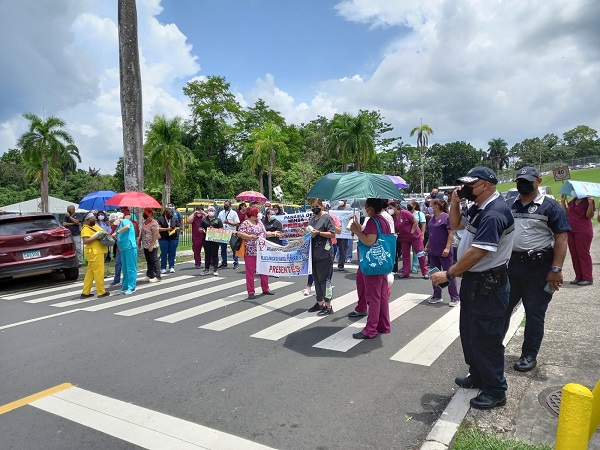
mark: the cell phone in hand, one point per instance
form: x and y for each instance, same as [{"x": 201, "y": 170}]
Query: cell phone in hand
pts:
[{"x": 434, "y": 270}]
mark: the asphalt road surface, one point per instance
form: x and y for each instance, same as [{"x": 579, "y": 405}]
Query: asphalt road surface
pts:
[{"x": 187, "y": 363}]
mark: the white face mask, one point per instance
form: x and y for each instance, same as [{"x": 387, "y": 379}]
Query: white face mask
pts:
[
  {"x": 260, "y": 216},
  {"x": 100, "y": 217},
  {"x": 117, "y": 222},
  {"x": 341, "y": 203},
  {"x": 391, "y": 211},
  {"x": 211, "y": 214}
]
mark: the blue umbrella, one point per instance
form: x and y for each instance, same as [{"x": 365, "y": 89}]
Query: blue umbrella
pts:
[{"x": 96, "y": 200}]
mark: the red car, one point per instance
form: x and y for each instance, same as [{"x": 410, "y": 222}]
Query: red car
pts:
[{"x": 36, "y": 243}]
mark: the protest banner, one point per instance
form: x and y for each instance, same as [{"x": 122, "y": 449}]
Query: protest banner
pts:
[
  {"x": 218, "y": 235},
  {"x": 289, "y": 260},
  {"x": 344, "y": 216},
  {"x": 294, "y": 225},
  {"x": 580, "y": 189}
]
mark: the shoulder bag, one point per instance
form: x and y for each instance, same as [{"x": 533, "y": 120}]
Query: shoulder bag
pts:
[{"x": 379, "y": 258}]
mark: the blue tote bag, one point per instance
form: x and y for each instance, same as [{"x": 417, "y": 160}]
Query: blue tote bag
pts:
[{"x": 379, "y": 258}]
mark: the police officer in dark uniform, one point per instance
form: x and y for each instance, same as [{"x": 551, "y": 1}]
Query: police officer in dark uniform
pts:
[
  {"x": 483, "y": 254},
  {"x": 535, "y": 267}
]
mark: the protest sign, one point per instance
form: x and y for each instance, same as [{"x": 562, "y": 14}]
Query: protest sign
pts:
[
  {"x": 218, "y": 235},
  {"x": 289, "y": 260},
  {"x": 581, "y": 189},
  {"x": 294, "y": 225}
]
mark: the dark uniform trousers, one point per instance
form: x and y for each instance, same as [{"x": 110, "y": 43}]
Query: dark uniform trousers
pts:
[
  {"x": 482, "y": 332},
  {"x": 527, "y": 282}
]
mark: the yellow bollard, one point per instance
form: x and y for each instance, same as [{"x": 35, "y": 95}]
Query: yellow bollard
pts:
[
  {"x": 595, "y": 410},
  {"x": 574, "y": 418}
]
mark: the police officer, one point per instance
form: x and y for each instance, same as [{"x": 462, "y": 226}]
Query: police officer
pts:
[
  {"x": 535, "y": 267},
  {"x": 483, "y": 254}
]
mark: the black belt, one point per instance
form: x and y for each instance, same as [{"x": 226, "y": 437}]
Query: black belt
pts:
[
  {"x": 533, "y": 255},
  {"x": 498, "y": 270}
]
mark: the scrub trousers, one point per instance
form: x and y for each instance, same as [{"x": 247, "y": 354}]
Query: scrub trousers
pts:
[
  {"x": 129, "y": 267},
  {"x": 94, "y": 274}
]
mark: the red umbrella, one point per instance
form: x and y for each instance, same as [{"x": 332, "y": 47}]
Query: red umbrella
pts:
[
  {"x": 251, "y": 196},
  {"x": 133, "y": 199}
]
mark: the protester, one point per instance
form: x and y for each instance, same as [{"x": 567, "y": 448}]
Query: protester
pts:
[
  {"x": 406, "y": 226},
  {"x": 250, "y": 230},
  {"x": 230, "y": 221},
  {"x": 94, "y": 254},
  {"x": 415, "y": 208},
  {"x": 394, "y": 212},
  {"x": 278, "y": 210},
  {"x": 112, "y": 219},
  {"x": 342, "y": 244},
  {"x": 580, "y": 212},
  {"x": 169, "y": 239},
  {"x": 211, "y": 248},
  {"x": 373, "y": 290},
  {"x": 148, "y": 241},
  {"x": 125, "y": 234},
  {"x": 272, "y": 225},
  {"x": 482, "y": 257},
  {"x": 177, "y": 215},
  {"x": 538, "y": 254},
  {"x": 439, "y": 248},
  {"x": 241, "y": 212},
  {"x": 322, "y": 230},
  {"x": 102, "y": 221},
  {"x": 195, "y": 220},
  {"x": 73, "y": 224}
]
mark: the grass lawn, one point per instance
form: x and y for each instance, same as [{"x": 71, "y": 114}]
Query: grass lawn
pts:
[
  {"x": 589, "y": 175},
  {"x": 470, "y": 438}
]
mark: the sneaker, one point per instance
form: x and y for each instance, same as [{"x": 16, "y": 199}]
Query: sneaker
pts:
[
  {"x": 119, "y": 291},
  {"x": 205, "y": 272},
  {"x": 436, "y": 300},
  {"x": 215, "y": 273},
  {"x": 357, "y": 314},
  {"x": 236, "y": 265},
  {"x": 328, "y": 292},
  {"x": 326, "y": 311},
  {"x": 198, "y": 266},
  {"x": 116, "y": 283},
  {"x": 128, "y": 292},
  {"x": 575, "y": 281},
  {"x": 172, "y": 270},
  {"x": 153, "y": 280},
  {"x": 86, "y": 295},
  {"x": 585, "y": 283},
  {"x": 222, "y": 266},
  {"x": 316, "y": 307},
  {"x": 163, "y": 270},
  {"x": 307, "y": 291},
  {"x": 106, "y": 294},
  {"x": 145, "y": 279},
  {"x": 454, "y": 303}
]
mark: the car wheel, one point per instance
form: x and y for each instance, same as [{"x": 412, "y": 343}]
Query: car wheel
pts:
[{"x": 72, "y": 273}]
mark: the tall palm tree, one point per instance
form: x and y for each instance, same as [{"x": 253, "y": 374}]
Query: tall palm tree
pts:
[
  {"x": 337, "y": 142},
  {"x": 68, "y": 160},
  {"x": 131, "y": 95},
  {"x": 498, "y": 153},
  {"x": 267, "y": 141},
  {"x": 45, "y": 143},
  {"x": 167, "y": 156},
  {"x": 423, "y": 133},
  {"x": 353, "y": 139}
]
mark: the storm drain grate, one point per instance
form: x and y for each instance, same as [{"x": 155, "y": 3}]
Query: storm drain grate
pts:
[{"x": 550, "y": 399}]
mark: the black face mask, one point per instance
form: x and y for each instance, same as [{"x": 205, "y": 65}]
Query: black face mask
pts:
[
  {"x": 316, "y": 211},
  {"x": 525, "y": 187},
  {"x": 226, "y": 207},
  {"x": 92, "y": 223},
  {"x": 467, "y": 192},
  {"x": 410, "y": 208},
  {"x": 145, "y": 216}
]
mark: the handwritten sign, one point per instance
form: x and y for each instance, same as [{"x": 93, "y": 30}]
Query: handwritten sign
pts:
[{"x": 218, "y": 235}]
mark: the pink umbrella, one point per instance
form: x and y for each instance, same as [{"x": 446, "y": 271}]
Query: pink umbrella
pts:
[
  {"x": 251, "y": 196},
  {"x": 133, "y": 199}
]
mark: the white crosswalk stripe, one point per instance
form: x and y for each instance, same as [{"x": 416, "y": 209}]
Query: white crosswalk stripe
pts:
[
  {"x": 252, "y": 313},
  {"x": 211, "y": 306},
  {"x": 293, "y": 324},
  {"x": 431, "y": 343},
  {"x": 342, "y": 341}
]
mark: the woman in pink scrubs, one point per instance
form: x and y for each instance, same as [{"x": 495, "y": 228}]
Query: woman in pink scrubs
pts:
[
  {"x": 580, "y": 212},
  {"x": 409, "y": 235},
  {"x": 375, "y": 287}
]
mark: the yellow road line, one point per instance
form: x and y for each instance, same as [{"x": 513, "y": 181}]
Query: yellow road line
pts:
[{"x": 31, "y": 398}]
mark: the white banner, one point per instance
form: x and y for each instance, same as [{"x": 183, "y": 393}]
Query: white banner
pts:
[
  {"x": 289, "y": 260},
  {"x": 294, "y": 225},
  {"x": 582, "y": 189}
]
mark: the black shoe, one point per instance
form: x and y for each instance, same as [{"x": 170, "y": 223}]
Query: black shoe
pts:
[
  {"x": 205, "y": 272},
  {"x": 268, "y": 293},
  {"x": 486, "y": 402},
  {"x": 86, "y": 295},
  {"x": 198, "y": 266},
  {"x": 236, "y": 265},
  {"x": 222, "y": 266},
  {"x": 467, "y": 382},
  {"x": 316, "y": 307},
  {"x": 251, "y": 297},
  {"x": 325, "y": 311},
  {"x": 575, "y": 281},
  {"x": 525, "y": 364},
  {"x": 359, "y": 335},
  {"x": 357, "y": 314},
  {"x": 585, "y": 283},
  {"x": 341, "y": 269},
  {"x": 106, "y": 294}
]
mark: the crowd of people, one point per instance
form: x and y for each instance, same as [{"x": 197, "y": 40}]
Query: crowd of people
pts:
[{"x": 503, "y": 252}]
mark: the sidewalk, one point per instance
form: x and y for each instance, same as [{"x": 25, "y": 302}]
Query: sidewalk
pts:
[{"x": 570, "y": 353}]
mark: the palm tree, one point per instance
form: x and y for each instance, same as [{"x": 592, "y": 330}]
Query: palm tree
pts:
[
  {"x": 68, "y": 160},
  {"x": 338, "y": 139},
  {"x": 267, "y": 141},
  {"x": 423, "y": 133},
  {"x": 131, "y": 95},
  {"x": 44, "y": 144},
  {"x": 498, "y": 154},
  {"x": 353, "y": 138},
  {"x": 167, "y": 156}
]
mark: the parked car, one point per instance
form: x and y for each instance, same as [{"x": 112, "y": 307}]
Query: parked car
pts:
[
  {"x": 590, "y": 166},
  {"x": 36, "y": 243}
]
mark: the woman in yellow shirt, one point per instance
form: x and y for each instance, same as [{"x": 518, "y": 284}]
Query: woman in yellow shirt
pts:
[{"x": 94, "y": 254}]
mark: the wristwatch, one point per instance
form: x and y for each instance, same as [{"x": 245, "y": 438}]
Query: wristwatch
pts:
[
  {"x": 449, "y": 276},
  {"x": 556, "y": 269}
]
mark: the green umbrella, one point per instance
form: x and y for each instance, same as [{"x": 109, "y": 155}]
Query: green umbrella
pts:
[{"x": 337, "y": 186}]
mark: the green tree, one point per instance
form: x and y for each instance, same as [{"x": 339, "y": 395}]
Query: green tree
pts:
[
  {"x": 584, "y": 141},
  {"x": 167, "y": 156},
  {"x": 352, "y": 139},
  {"x": 45, "y": 145},
  {"x": 498, "y": 154},
  {"x": 423, "y": 132},
  {"x": 454, "y": 159},
  {"x": 268, "y": 141}
]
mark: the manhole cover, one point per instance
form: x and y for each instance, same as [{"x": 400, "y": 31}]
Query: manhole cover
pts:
[{"x": 550, "y": 399}]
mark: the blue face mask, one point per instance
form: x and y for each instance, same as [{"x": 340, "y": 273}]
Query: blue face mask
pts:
[{"x": 433, "y": 195}]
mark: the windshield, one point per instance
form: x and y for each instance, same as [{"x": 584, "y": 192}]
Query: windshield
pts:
[{"x": 30, "y": 225}]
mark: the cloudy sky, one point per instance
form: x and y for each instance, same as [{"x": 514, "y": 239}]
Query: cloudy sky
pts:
[{"x": 473, "y": 70}]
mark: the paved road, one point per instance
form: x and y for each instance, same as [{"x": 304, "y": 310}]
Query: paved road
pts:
[{"x": 192, "y": 350}]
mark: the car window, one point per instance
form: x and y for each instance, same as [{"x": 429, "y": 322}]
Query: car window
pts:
[{"x": 19, "y": 226}]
